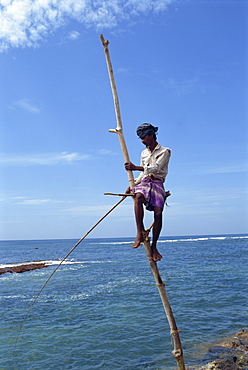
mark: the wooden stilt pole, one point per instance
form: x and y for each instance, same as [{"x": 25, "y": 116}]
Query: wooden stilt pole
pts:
[
  {"x": 118, "y": 130},
  {"x": 177, "y": 352}
]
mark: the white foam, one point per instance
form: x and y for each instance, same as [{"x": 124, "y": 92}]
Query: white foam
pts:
[
  {"x": 196, "y": 239},
  {"x": 51, "y": 262},
  {"x": 47, "y": 263}
]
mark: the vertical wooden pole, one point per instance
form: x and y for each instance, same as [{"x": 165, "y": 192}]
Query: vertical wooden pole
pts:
[
  {"x": 118, "y": 130},
  {"x": 177, "y": 352}
]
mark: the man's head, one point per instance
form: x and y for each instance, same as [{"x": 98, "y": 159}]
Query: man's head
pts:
[
  {"x": 146, "y": 129},
  {"x": 147, "y": 134}
]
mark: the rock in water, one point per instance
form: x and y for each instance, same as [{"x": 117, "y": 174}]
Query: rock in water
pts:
[
  {"x": 229, "y": 354},
  {"x": 24, "y": 267}
]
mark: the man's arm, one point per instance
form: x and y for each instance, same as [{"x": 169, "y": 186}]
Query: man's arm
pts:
[{"x": 131, "y": 167}]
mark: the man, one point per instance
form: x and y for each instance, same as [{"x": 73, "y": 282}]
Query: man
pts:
[{"x": 149, "y": 189}]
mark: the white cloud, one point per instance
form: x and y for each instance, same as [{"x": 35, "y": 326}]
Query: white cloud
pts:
[
  {"x": 99, "y": 209},
  {"x": 210, "y": 168},
  {"x": 232, "y": 168},
  {"x": 125, "y": 71},
  {"x": 184, "y": 87},
  {"x": 38, "y": 202},
  {"x": 106, "y": 152},
  {"x": 26, "y": 105},
  {"x": 44, "y": 159},
  {"x": 25, "y": 23},
  {"x": 34, "y": 201},
  {"x": 25, "y": 200},
  {"x": 73, "y": 35}
]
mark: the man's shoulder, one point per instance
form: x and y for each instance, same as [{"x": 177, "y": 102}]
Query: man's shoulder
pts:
[{"x": 162, "y": 148}]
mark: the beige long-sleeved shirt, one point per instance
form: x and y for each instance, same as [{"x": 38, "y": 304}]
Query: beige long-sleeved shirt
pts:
[{"x": 155, "y": 163}]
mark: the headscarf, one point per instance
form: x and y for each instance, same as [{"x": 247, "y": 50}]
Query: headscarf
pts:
[{"x": 146, "y": 129}]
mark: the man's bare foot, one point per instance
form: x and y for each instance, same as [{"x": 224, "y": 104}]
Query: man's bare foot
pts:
[
  {"x": 138, "y": 241},
  {"x": 140, "y": 238},
  {"x": 156, "y": 256}
]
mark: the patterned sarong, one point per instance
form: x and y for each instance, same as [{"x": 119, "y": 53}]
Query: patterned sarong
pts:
[{"x": 153, "y": 191}]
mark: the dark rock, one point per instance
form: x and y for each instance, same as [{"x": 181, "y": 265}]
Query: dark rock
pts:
[
  {"x": 229, "y": 354},
  {"x": 24, "y": 267}
]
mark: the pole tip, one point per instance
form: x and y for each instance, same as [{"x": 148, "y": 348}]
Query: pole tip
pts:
[{"x": 104, "y": 42}]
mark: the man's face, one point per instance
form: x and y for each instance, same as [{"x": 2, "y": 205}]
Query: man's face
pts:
[{"x": 147, "y": 140}]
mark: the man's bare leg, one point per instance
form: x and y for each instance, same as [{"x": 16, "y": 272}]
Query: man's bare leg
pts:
[
  {"x": 139, "y": 215},
  {"x": 156, "y": 256}
]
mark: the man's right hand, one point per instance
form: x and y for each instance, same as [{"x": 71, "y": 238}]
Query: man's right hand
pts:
[
  {"x": 129, "y": 166},
  {"x": 128, "y": 191}
]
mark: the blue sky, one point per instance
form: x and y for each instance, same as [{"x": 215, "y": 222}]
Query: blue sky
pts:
[{"x": 180, "y": 65}]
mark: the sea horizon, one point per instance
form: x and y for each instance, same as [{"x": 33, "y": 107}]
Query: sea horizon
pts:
[{"x": 245, "y": 234}]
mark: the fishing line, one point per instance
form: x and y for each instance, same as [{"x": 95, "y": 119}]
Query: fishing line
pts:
[{"x": 56, "y": 268}]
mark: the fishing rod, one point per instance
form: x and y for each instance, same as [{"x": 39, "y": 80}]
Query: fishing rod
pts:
[{"x": 63, "y": 260}]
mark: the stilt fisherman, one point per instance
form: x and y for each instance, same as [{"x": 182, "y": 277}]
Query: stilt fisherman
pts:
[{"x": 149, "y": 185}]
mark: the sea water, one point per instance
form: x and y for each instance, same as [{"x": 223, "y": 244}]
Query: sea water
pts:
[{"x": 102, "y": 310}]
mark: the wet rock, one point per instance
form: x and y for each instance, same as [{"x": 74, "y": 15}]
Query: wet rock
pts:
[
  {"x": 23, "y": 267},
  {"x": 229, "y": 354}
]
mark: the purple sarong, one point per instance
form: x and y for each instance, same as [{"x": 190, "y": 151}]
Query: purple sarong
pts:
[{"x": 153, "y": 191}]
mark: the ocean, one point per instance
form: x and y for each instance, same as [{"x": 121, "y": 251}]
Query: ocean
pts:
[{"x": 102, "y": 310}]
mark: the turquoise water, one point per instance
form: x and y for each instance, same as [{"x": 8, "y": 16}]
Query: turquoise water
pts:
[{"x": 102, "y": 310}]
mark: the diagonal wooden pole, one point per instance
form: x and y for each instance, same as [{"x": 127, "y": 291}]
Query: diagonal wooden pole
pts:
[{"x": 177, "y": 352}]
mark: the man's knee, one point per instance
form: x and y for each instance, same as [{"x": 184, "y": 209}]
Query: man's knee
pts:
[
  {"x": 139, "y": 198},
  {"x": 158, "y": 212}
]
